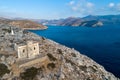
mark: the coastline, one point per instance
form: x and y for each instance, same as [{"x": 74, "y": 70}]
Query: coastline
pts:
[{"x": 63, "y": 61}]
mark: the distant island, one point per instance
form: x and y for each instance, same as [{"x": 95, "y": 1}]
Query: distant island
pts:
[{"x": 88, "y": 21}]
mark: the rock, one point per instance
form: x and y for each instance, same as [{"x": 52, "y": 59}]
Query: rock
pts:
[
  {"x": 6, "y": 76},
  {"x": 3, "y": 58},
  {"x": 10, "y": 60}
]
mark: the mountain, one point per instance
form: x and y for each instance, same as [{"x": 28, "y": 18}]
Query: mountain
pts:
[
  {"x": 88, "y": 21},
  {"x": 54, "y": 62},
  {"x": 80, "y": 22},
  {"x": 26, "y": 24}
]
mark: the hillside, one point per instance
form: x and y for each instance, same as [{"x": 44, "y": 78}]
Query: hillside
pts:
[
  {"x": 56, "y": 62},
  {"x": 25, "y": 24},
  {"x": 88, "y": 21},
  {"x": 81, "y": 22}
]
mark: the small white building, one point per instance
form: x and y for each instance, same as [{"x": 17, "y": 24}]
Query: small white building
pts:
[{"x": 30, "y": 49}]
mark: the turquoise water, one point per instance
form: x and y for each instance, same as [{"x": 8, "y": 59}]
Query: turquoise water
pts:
[{"x": 102, "y": 44}]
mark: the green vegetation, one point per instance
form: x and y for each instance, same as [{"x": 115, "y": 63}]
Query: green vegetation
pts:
[
  {"x": 69, "y": 61},
  {"x": 3, "y": 69},
  {"x": 51, "y": 66},
  {"x": 7, "y": 30},
  {"x": 83, "y": 68},
  {"x": 51, "y": 57},
  {"x": 73, "y": 54},
  {"x": 29, "y": 74},
  {"x": 59, "y": 51}
]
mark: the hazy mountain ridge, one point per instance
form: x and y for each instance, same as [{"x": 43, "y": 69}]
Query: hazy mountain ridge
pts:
[{"x": 89, "y": 21}]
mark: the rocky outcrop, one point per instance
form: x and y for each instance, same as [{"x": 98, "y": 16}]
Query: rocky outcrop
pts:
[{"x": 62, "y": 63}]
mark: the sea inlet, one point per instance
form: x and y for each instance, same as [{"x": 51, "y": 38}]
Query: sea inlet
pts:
[{"x": 102, "y": 44}]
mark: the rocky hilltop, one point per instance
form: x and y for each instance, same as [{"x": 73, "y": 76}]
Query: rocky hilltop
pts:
[
  {"x": 25, "y": 24},
  {"x": 58, "y": 62}
]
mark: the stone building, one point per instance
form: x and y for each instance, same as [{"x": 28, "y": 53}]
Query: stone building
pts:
[{"x": 29, "y": 49}]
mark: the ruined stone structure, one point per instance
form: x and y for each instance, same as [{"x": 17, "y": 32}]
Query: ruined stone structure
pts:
[{"x": 29, "y": 49}]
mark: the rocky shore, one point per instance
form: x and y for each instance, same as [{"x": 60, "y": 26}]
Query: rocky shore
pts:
[{"x": 60, "y": 62}]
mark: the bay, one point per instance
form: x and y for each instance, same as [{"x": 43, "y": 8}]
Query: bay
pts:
[{"x": 102, "y": 44}]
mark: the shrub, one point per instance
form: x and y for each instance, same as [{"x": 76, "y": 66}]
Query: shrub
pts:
[
  {"x": 51, "y": 66},
  {"x": 73, "y": 54},
  {"x": 69, "y": 61},
  {"x": 7, "y": 30},
  {"x": 59, "y": 51},
  {"x": 29, "y": 74},
  {"x": 3, "y": 69},
  {"x": 83, "y": 68},
  {"x": 51, "y": 57}
]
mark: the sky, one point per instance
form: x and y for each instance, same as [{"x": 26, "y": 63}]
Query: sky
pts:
[{"x": 56, "y": 9}]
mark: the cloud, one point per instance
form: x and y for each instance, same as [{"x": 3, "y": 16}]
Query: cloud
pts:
[
  {"x": 82, "y": 6},
  {"x": 71, "y": 3},
  {"x": 85, "y": 7},
  {"x": 111, "y": 5},
  {"x": 89, "y": 4},
  {"x": 114, "y": 7}
]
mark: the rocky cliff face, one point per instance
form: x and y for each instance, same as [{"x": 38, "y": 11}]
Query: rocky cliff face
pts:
[{"x": 61, "y": 63}]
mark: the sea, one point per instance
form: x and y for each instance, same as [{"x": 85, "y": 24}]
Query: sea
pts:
[{"x": 102, "y": 44}]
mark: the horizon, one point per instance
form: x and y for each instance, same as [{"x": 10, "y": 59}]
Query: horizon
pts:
[{"x": 45, "y": 9}]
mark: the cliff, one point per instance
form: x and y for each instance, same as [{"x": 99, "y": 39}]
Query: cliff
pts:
[{"x": 59, "y": 63}]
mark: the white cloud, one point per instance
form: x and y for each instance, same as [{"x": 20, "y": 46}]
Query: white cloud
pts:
[
  {"x": 71, "y": 2},
  {"x": 89, "y": 5},
  {"x": 82, "y": 6},
  {"x": 111, "y": 5},
  {"x": 114, "y": 7}
]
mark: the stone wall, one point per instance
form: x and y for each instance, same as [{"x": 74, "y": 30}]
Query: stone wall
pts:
[
  {"x": 33, "y": 49},
  {"x": 22, "y": 52},
  {"x": 33, "y": 62},
  {"x": 28, "y": 51}
]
